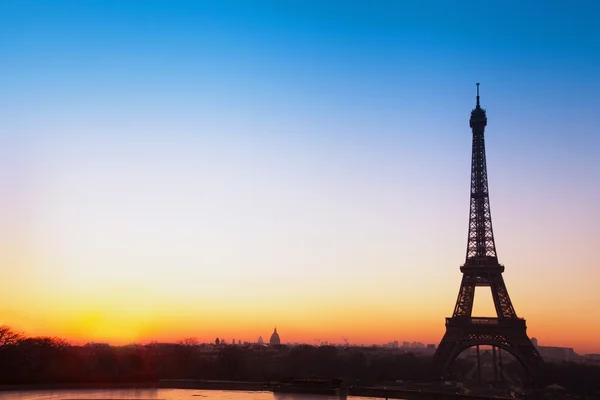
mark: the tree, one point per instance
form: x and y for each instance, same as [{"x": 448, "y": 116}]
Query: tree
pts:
[
  {"x": 8, "y": 336},
  {"x": 229, "y": 362},
  {"x": 189, "y": 342},
  {"x": 42, "y": 355}
]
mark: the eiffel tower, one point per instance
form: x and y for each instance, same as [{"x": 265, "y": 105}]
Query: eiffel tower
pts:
[{"x": 505, "y": 331}]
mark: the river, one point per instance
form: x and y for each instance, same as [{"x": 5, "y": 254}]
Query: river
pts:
[{"x": 156, "y": 394}]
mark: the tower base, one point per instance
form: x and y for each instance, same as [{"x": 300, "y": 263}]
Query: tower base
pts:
[{"x": 507, "y": 334}]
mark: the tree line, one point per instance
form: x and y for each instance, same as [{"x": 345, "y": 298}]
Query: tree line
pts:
[{"x": 46, "y": 360}]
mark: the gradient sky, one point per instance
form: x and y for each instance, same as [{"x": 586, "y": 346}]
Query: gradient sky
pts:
[{"x": 215, "y": 168}]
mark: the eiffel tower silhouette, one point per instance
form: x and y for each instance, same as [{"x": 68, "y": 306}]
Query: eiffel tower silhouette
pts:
[{"x": 505, "y": 331}]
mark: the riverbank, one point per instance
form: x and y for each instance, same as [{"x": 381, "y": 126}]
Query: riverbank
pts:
[
  {"x": 213, "y": 385},
  {"x": 80, "y": 386},
  {"x": 196, "y": 384},
  {"x": 162, "y": 384}
]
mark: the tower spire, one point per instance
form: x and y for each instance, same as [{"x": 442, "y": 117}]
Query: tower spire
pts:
[{"x": 477, "y": 94}]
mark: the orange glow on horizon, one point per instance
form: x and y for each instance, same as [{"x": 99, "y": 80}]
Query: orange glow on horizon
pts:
[{"x": 80, "y": 325}]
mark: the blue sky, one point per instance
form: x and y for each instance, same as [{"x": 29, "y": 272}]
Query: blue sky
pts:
[{"x": 297, "y": 138}]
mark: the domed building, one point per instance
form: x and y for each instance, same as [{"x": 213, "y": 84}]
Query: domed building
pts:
[{"x": 275, "y": 341}]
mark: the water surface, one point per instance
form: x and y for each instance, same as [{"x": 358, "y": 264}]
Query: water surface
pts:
[{"x": 156, "y": 394}]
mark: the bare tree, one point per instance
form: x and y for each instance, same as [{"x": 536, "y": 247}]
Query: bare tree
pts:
[
  {"x": 189, "y": 342},
  {"x": 8, "y": 336}
]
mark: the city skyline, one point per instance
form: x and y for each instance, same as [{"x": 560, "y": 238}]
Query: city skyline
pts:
[
  {"x": 171, "y": 169},
  {"x": 395, "y": 343}
]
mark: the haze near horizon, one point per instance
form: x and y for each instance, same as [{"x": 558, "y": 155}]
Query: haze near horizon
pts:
[{"x": 213, "y": 169}]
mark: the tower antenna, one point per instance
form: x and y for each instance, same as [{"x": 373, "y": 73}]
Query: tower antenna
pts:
[{"x": 477, "y": 94}]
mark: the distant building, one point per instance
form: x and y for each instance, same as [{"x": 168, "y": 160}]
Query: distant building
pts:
[
  {"x": 591, "y": 359},
  {"x": 275, "y": 340},
  {"x": 260, "y": 340},
  {"x": 431, "y": 346},
  {"x": 405, "y": 345},
  {"x": 557, "y": 354}
]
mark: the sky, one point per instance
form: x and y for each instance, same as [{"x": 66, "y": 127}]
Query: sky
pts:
[{"x": 174, "y": 169}]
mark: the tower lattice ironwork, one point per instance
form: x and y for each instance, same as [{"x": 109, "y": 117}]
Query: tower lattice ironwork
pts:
[{"x": 481, "y": 268}]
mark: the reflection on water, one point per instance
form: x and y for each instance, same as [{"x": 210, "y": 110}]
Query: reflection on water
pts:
[
  {"x": 292, "y": 396},
  {"x": 157, "y": 394}
]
